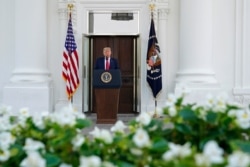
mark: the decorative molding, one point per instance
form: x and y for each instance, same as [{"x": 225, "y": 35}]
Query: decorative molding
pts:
[
  {"x": 161, "y": 1},
  {"x": 112, "y": 1},
  {"x": 162, "y": 13},
  {"x": 63, "y": 11},
  {"x": 161, "y": 6},
  {"x": 242, "y": 99}
]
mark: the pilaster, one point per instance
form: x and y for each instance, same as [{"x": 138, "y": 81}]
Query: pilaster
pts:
[{"x": 241, "y": 90}]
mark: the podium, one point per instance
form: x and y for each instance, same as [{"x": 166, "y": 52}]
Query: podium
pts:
[{"x": 107, "y": 85}]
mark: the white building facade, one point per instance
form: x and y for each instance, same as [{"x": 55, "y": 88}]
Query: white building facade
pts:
[{"x": 205, "y": 45}]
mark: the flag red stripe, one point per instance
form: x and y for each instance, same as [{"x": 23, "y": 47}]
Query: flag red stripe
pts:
[{"x": 70, "y": 72}]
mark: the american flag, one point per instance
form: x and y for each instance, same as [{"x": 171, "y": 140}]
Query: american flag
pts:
[{"x": 70, "y": 62}]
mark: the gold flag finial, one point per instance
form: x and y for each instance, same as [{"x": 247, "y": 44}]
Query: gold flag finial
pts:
[
  {"x": 152, "y": 7},
  {"x": 70, "y": 6}
]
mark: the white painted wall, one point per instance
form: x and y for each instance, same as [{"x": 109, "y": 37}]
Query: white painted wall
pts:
[
  {"x": 7, "y": 29},
  {"x": 223, "y": 47}
]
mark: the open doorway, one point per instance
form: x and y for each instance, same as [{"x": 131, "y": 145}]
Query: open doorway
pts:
[{"x": 124, "y": 49}]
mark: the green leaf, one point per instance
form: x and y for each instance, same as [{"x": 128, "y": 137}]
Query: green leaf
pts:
[
  {"x": 83, "y": 123},
  {"x": 211, "y": 117},
  {"x": 188, "y": 115},
  {"x": 241, "y": 145},
  {"x": 184, "y": 128},
  {"x": 16, "y": 150},
  {"x": 159, "y": 145},
  {"x": 124, "y": 164},
  {"x": 52, "y": 160}
]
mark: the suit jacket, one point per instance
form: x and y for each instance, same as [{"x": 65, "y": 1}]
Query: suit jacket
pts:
[{"x": 113, "y": 63}]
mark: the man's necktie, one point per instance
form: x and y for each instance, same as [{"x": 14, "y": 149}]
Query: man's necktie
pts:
[{"x": 107, "y": 64}]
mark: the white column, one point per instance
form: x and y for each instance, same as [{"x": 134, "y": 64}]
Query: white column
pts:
[
  {"x": 30, "y": 41},
  {"x": 30, "y": 85},
  {"x": 195, "y": 59}
]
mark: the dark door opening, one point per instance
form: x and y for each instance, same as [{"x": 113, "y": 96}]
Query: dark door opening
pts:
[{"x": 124, "y": 49}]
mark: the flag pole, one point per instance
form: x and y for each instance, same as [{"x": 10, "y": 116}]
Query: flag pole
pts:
[
  {"x": 70, "y": 6},
  {"x": 70, "y": 60},
  {"x": 155, "y": 114},
  {"x": 152, "y": 8}
]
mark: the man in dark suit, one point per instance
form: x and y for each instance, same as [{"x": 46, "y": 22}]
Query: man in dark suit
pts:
[{"x": 106, "y": 62}]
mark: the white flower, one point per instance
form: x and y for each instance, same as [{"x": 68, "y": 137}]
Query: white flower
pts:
[
  {"x": 33, "y": 145},
  {"x": 73, "y": 110},
  {"x": 106, "y": 136},
  {"x": 232, "y": 113},
  {"x": 65, "y": 165},
  {"x": 118, "y": 127},
  {"x": 202, "y": 160},
  {"x": 172, "y": 111},
  {"x": 24, "y": 112},
  {"x": 6, "y": 139},
  {"x": 218, "y": 103},
  {"x": 210, "y": 101},
  {"x": 108, "y": 164},
  {"x": 103, "y": 134},
  {"x": 168, "y": 156},
  {"x": 64, "y": 117},
  {"x": 5, "y": 124},
  {"x": 158, "y": 112},
  {"x": 96, "y": 132},
  {"x": 91, "y": 161},
  {"x": 238, "y": 159},
  {"x": 176, "y": 150},
  {"x": 213, "y": 152},
  {"x": 4, "y": 155},
  {"x": 34, "y": 159},
  {"x": 221, "y": 102},
  {"x": 136, "y": 151},
  {"x": 144, "y": 118},
  {"x": 182, "y": 151},
  {"x": 171, "y": 100},
  {"x": 141, "y": 138},
  {"x": 5, "y": 110},
  {"x": 77, "y": 141},
  {"x": 202, "y": 113},
  {"x": 38, "y": 119},
  {"x": 243, "y": 118},
  {"x": 80, "y": 115}
]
